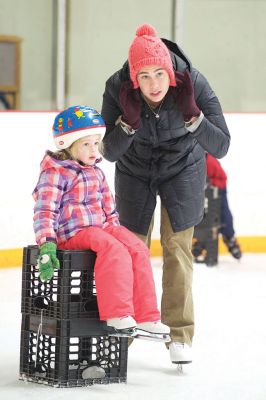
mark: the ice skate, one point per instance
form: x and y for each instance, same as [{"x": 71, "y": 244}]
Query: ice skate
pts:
[
  {"x": 155, "y": 331},
  {"x": 180, "y": 353},
  {"x": 121, "y": 326},
  {"x": 233, "y": 247}
]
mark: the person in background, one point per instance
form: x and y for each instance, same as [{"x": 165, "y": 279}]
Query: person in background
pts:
[
  {"x": 161, "y": 117},
  {"x": 74, "y": 210},
  {"x": 217, "y": 177}
]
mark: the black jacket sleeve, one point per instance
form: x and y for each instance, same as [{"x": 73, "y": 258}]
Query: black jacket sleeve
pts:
[
  {"x": 212, "y": 134},
  {"x": 116, "y": 141}
]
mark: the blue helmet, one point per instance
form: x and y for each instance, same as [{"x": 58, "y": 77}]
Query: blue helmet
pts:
[{"x": 76, "y": 122}]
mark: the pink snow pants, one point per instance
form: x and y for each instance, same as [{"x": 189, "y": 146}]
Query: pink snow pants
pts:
[{"x": 123, "y": 274}]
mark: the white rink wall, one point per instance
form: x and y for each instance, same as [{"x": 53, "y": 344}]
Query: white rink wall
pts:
[{"x": 26, "y": 135}]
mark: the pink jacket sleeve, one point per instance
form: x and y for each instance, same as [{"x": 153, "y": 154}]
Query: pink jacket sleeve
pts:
[{"x": 47, "y": 195}]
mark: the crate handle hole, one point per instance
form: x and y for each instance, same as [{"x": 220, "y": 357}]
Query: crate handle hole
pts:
[
  {"x": 91, "y": 305},
  {"x": 75, "y": 298},
  {"x": 41, "y": 302}
]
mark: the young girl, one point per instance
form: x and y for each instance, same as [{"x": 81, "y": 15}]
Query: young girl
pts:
[{"x": 75, "y": 210}]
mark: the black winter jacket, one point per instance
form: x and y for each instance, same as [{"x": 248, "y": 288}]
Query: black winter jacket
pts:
[{"x": 162, "y": 157}]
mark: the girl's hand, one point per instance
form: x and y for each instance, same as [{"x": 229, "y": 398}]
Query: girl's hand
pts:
[{"x": 48, "y": 261}]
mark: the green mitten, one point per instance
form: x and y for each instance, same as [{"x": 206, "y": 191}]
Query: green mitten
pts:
[{"x": 48, "y": 261}]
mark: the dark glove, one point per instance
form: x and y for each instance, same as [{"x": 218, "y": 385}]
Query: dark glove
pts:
[
  {"x": 130, "y": 102},
  {"x": 184, "y": 96},
  {"x": 48, "y": 261}
]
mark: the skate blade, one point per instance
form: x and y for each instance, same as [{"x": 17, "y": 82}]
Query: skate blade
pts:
[
  {"x": 121, "y": 332},
  {"x": 181, "y": 362},
  {"x": 156, "y": 337}
]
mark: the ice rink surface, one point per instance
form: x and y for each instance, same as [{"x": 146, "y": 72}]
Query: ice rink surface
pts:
[{"x": 229, "y": 345}]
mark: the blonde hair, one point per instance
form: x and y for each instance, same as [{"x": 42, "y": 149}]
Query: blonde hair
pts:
[
  {"x": 62, "y": 155},
  {"x": 73, "y": 149},
  {"x": 70, "y": 153},
  {"x": 101, "y": 148}
]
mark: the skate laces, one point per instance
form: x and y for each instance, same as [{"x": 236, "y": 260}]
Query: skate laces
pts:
[{"x": 177, "y": 344}]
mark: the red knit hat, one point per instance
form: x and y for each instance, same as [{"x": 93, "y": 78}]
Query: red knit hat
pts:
[{"x": 148, "y": 49}]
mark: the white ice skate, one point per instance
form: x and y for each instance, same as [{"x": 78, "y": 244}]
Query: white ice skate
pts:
[
  {"x": 180, "y": 353},
  {"x": 121, "y": 326},
  {"x": 155, "y": 331}
]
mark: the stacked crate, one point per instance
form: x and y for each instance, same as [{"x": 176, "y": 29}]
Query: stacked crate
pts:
[
  {"x": 206, "y": 233},
  {"x": 61, "y": 334}
]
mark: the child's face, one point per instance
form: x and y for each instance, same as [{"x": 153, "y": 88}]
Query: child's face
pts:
[{"x": 88, "y": 149}]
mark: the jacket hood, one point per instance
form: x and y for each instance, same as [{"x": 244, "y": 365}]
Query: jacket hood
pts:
[
  {"x": 180, "y": 61},
  {"x": 51, "y": 160}
]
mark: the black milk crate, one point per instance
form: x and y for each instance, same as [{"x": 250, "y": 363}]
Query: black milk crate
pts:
[
  {"x": 71, "y": 293},
  {"x": 212, "y": 208},
  {"x": 206, "y": 233},
  {"x": 57, "y": 351},
  {"x": 205, "y": 246}
]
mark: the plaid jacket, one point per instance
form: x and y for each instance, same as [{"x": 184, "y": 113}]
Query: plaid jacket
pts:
[{"x": 69, "y": 197}]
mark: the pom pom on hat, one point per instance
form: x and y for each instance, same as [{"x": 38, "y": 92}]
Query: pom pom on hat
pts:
[
  {"x": 146, "y": 29},
  {"x": 148, "y": 49}
]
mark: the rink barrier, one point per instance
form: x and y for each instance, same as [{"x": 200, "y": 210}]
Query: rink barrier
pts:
[{"x": 10, "y": 258}]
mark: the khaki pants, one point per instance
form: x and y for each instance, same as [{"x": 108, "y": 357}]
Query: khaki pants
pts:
[{"x": 177, "y": 303}]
